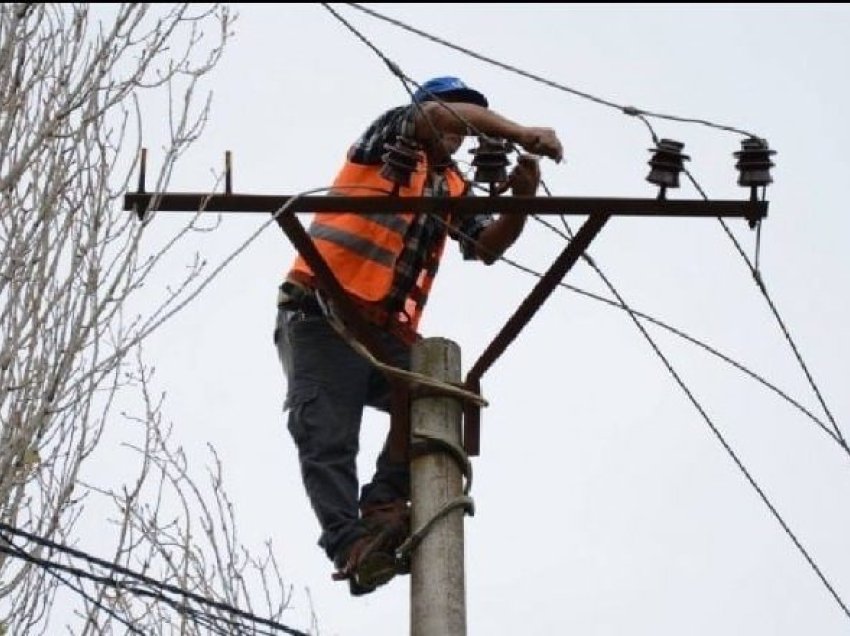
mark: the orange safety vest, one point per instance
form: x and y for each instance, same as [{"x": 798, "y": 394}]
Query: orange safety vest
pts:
[{"x": 362, "y": 249}]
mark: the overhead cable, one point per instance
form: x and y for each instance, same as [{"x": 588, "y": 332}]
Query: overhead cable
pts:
[
  {"x": 673, "y": 330},
  {"x": 685, "y": 336},
  {"x": 405, "y": 79},
  {"x": 628, "y": 110},
  {"x": 720, "y": 438},
  {"x": 160, "y": 587},
  {"x": 757, "y": 277},
  {"x": 15, "y": 551}
]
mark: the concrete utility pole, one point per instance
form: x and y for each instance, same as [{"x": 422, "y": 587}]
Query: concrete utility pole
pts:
[{"x": 438, "y": 590}]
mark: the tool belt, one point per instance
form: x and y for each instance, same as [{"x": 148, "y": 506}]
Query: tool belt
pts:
[{"x": 294, "y": 296}]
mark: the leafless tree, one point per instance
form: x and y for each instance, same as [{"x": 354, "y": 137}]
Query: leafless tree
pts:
[{"x": 75, "y": 82}]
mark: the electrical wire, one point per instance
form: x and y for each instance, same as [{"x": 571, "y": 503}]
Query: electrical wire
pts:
[
  {"x": 160, "y": 586},
  {"x": 155, "y": 321},
  {"x": 628, "y": 110},
  {"x": 16, "y": 551},
  {"x": 723, "y": 441},
  {"x": 642, "y": 114},
  {"x": 198, "y": 616},
  {"x": 692, "y": 398},
  {"x": 405, "y": 79},
  {"x": 757, "y": 277},
  {"x": 676, "y": 332},
  {"x": 50, "y": 566},
  {"x": 681, "y": 334},
  {"x": 394, "y": 68}
]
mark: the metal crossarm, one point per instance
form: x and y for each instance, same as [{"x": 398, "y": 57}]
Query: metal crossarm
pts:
[{"x": 461, "y": 206}]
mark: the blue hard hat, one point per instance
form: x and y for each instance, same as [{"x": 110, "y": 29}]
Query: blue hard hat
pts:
[{"x": 450, "y": 89}]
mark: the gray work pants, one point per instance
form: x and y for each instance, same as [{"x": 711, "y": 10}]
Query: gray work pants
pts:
[{"x": 328, "y": 384}]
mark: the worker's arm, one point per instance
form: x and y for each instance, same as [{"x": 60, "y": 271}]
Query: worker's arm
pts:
[
  {"x": 497, "y": 237},
  {"x": 434, "y": 118}
]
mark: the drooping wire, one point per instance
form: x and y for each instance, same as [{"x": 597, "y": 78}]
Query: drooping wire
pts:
[
  {"x": 671, "y": 329},
  {"x": 756, "y": 273},
  {"x": 16, "y": 551},
  {"x": 681, "y": 334},
  {"x": 773, "y": 309},
  {"x": 836, "y": 435},
  {"x": 714, "y": 430},
  {"x": 721, "y": 438},
  {"x": 160, "y": 317},
  {"x": 52, "y": 566},
  {"x": 628, "y": 110},
  {"x": 160, "y": 586}
]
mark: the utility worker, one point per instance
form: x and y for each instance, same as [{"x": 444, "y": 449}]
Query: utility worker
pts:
[{"x": 387, "y": 264}]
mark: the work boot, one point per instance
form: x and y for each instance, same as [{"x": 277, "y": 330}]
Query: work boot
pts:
[
  {"x": 366, "y": 564},
  {"x": 391, "y": 520}
]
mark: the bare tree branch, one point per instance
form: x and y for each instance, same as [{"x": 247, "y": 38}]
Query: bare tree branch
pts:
[{"x": 73, "y": 81}]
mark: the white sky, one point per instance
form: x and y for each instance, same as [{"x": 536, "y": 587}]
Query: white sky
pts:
[{"x": 605, "y": 506}]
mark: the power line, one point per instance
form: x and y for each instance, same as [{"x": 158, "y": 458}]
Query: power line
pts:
[
  {"x": 198, "y": 616},
  {"x": 642, "y": 114},
  {"x": 676, "y": 332},
  {"x": 394, "y": 68},
  {"x": 156, "y": 320},
  {"x": 685, "y": 336},
  {"x": 722, "y": 439},
  {"x": 773, "y": 309},
  {"x": 51, "y": 566},
  {"x": 158, "y": 586},
  {"x": 18, "y": 552},
  {"x": 692, "y": 398},
  {"x": 406, "y": 80},
  {"x": 627, "y": 110}
]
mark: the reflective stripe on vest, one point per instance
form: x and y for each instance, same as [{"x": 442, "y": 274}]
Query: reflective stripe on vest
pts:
[{"x": 354, "y": 242}]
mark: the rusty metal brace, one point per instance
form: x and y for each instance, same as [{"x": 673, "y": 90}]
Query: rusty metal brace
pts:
[{"x": 541, "y": 291}]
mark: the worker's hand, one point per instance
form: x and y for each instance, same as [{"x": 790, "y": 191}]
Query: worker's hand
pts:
[
  {"x": 525, "y": 177},
  {"x": 542, "y": 141}
]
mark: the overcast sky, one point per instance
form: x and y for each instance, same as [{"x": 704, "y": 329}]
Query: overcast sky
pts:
[{"x": 605, "y": 505}]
